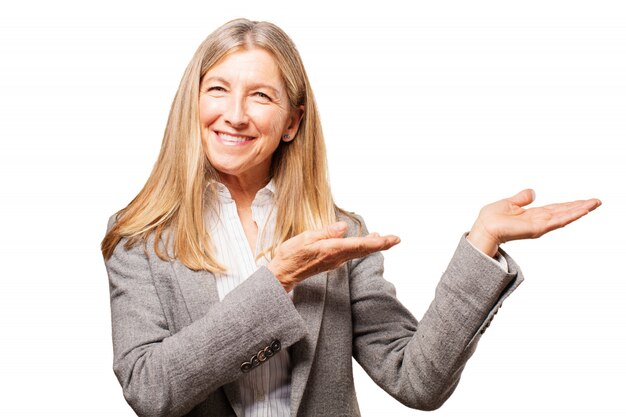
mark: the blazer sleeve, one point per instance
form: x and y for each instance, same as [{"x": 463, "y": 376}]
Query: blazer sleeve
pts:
[
  {"x": 420, "y": 363},
  {"x": 166, "y": 374}
]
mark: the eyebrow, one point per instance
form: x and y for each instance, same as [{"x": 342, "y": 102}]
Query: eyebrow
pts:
[{"x": 252, "y": 87}]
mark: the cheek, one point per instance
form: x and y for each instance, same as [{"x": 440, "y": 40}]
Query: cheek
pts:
[
  {"x": 207, "y": 115},
  {"x": 269, "y": 121},
  {"x": 208, "y": 112}
]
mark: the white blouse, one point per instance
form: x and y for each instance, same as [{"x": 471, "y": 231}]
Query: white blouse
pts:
[{"x": 265, "y": 390}]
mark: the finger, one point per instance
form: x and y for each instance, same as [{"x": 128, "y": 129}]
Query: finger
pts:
[
  {"x": 566, "y": 218},
  {"x": 523, "y": 198},
  {"x": 556, "y": 209},
  {"x": 597, "y": 204},
  {"x": 562, "y": 218},
  {"x": 387, "y": 241},
  {"x": 357, "y": 247},
  {"x": 377, "y": 244},
  {"x": 592, "y": 204}
]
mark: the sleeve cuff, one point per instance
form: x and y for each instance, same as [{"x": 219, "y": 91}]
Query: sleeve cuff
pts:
[{"x": 498, "y": 259}]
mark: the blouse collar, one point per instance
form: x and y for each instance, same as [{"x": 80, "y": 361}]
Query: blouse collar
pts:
[{"x": 263, "y": 197}]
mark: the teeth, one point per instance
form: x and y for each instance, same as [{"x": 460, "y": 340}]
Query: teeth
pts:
[{"x": 230, "y": 138}]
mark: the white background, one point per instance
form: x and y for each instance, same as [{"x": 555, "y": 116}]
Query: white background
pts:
[{"x": 431, "y": 110}]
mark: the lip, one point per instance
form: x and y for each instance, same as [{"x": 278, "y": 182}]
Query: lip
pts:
[{"x": 236, "y": 139}]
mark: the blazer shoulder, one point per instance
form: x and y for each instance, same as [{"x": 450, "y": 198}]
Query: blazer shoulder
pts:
[{"x": 111, "y": 221}]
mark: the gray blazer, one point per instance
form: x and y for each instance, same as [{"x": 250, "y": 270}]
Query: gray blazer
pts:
[{"x": 178, "y": 350}]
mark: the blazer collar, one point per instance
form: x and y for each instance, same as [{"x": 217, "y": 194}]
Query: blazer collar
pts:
[{"x": 199, "y": 291}]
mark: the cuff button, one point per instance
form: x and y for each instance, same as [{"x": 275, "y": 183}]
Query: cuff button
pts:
[
  {"x": 275, "y": 346},
  {"x": 246, "y": 366}
]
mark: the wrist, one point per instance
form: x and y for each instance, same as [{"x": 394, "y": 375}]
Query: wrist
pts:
[
  {"x": 483, "y": 242},
  {"x": 284, "y": 280}
]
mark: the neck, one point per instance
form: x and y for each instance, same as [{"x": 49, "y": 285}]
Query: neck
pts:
[{"x": 243, "y": 190}]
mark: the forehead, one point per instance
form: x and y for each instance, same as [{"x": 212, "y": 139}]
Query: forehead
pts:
[{"x": 254, "y": 64}]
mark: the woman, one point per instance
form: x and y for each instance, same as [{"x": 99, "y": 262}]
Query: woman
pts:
[{"x": 239, "y": 288}]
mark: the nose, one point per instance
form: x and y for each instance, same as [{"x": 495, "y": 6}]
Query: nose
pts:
[{"x": 236, "y": 113}]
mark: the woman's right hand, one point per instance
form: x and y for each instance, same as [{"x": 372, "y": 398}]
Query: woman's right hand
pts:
[{"x": 316, "y": 251}]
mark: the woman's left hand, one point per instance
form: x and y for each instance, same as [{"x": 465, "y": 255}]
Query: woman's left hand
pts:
[{"x": 506, "y": 220}]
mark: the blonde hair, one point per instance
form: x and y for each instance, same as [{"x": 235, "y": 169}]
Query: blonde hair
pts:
[{"x": 173, "y": 198}]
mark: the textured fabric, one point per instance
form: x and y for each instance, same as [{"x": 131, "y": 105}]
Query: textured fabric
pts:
[
  {"x": 498, "y": 258},
  {"x": 265, "y": 391},
  {"x": 178, "y": 350}
]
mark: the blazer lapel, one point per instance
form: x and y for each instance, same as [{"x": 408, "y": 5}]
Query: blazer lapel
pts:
[
  {"x": 308, "y": 298},
  {"x": 200, "y": 291}
]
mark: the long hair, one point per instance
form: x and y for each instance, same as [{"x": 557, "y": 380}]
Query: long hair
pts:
[{"x": 173, "y": 199}]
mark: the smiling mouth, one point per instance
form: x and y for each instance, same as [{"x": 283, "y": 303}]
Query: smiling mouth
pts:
[{"x": 233, "y": 139}]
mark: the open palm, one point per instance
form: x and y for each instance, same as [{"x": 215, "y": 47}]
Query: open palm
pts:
[{"x": 507, "y": 220}]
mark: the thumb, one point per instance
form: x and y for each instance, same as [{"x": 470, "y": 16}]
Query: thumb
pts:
[
  {"x": 333, "y": 230},
  {"x": 523, "y": 198},
  {"x": 336, "y": 229}
]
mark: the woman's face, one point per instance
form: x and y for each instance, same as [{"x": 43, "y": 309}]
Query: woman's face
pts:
[{"x": 244, "y": 113}]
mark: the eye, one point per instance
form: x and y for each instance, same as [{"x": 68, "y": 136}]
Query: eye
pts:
[
  {"x": 262, "y": 95},
  {"x": 216, "y": 88}
]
